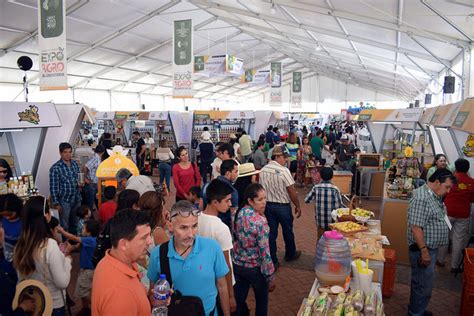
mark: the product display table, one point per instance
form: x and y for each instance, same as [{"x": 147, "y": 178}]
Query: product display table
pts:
[{"x": 377, "y": 287}]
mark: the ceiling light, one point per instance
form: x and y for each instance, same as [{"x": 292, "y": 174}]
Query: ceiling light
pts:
[
  {"x": 272, "y": 9},
  {"x": 442, "y": 128},
  {"x": 11, "y": 130},
  {"x": 318, "y": 48}
]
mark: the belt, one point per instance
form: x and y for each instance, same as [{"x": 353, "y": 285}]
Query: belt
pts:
[
  {"x": 164, "y": 161},
  {"x": 414, "y": 247},
  {"x": 276, "y": 203}
]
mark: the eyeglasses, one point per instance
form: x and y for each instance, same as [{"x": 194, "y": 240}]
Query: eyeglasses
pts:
[{"x": 187, "y": 213}]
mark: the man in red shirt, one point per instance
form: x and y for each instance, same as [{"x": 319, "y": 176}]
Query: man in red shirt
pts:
[
  {"x": 108, "y": 208},
  {"x": 458, "y": 204}
]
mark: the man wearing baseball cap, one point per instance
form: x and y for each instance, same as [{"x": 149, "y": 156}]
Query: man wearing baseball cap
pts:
[
  {"x": 90, "y": 179},
  {"x": 280, "y": 188},
  {"x": 344, "y": 153}
]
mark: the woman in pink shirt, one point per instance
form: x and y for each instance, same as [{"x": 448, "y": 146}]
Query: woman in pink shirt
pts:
[{"x": 185, "y": 175}]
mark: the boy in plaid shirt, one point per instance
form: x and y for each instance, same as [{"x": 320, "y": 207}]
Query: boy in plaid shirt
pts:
[{"x": 327, "y": 198}]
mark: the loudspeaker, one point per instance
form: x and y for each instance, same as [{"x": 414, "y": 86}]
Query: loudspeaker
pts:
[
  {"x": 428, "y": 98},
  {"x": 410, "y": 106},
  {"x": 186, "y": 108},
  {"x": 417, "y": 103},
  {"x": 448, "y": 84},
  {"x": 24, "y": 63}
]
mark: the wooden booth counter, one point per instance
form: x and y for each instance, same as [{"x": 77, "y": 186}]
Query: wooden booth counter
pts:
[
  {"x": 394, "y": 225},
  {"x": 343, "y": 180}
]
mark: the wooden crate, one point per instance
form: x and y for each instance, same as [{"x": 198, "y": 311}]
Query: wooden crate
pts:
[{"x": 343, "y": 180}]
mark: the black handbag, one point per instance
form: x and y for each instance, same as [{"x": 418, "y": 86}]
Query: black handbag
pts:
[{"x": 180, "y": 304}]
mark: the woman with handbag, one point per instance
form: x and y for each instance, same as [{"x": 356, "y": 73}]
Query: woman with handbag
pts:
[
  {"x": 185, "y": 175},
  {"x": 37, "y": 254},
  {"x": 164, "y": 156},
  {"x": 253, "y": 266}
]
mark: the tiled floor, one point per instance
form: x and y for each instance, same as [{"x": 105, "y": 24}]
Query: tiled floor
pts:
[{"x": 294, "y": 280}]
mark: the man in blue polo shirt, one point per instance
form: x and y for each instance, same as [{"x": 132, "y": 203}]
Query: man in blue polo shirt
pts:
[{"x": 197, "y": 264}]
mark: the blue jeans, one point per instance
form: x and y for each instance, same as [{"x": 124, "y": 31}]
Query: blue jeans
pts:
[
  {"x": 68, "y": 217},
  {"x": 205, "y": 169},
  {"x": 244, "y": 279},
  {"x": 165, "y": 173},
  {"x": 421, "y": 282},
  {"x": 90, "y": 192},
  {"x": 278, "y": 213}
]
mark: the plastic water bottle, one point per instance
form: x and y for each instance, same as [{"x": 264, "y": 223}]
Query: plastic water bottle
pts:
[{"x": 161, "y": 292}]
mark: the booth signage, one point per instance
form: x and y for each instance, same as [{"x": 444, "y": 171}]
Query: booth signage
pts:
[
  {"x": 460, "y": 119},
  {"x": 296, "y": 88},
  {"x": 218, "y": 65},
  {"x": 158, "y": 116},
  {"x": 121, "y": 115},
  {"x": 105, "y": 115},
  {"x": 364, "y": 117},
  {"x": 27, "y": 115},
  {"x": 468, "y": 148},
  {"x": 183, "y": 59},
  {"x": 275, "y": 79},
  {"x": 116, "y": 161},
  {"x": 256, "y": 78},
  {"x": 52, "y": 45}
]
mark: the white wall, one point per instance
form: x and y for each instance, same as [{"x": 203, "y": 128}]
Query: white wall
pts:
[{"x": 320, "y": 93}]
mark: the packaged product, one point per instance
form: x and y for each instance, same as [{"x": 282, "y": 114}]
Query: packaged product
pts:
[
  {"x": 350, "y": 311},
  {"x": 370, "y": 306},
  {"x": 379, "y": 309},
  {"x": 341, "y": 297},
  {"x": 358, "y": 300},
  {"x": 348, "y": 300},
  {"x": 324, "y": 301},
  {"x": 336, "y": 310}
]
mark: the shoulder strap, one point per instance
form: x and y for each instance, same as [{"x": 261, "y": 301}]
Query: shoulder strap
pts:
[{"x": 165, "y": 262}]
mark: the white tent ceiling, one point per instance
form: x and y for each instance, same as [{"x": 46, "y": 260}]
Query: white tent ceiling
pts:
[{"x": 392, "y": 46}]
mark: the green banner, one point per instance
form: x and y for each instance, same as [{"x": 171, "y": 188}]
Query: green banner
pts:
[
  {"x": 297, "y": 80},
  {"x": 51, "y": 18},
  {"x": 182, "y": 42},
  {"x": 275, "y": 74}
]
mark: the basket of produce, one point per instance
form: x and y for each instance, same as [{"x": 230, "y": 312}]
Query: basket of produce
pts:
[
  {"x": 342, "y": 215},
  {"x": 361, "y": 215},
  {"x": 348, "y": 228}
]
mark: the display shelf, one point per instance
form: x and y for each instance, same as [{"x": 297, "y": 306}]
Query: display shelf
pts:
[{"x": 220, "y": 129}]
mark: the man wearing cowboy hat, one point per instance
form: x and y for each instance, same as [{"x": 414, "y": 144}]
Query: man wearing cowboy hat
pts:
[{"x": 280, "y": 188}]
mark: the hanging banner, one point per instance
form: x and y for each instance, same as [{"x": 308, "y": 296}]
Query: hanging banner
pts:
[
  {"x": 256, "y": 78},
  {"x": 275, "y": 78},
  {"x": 218, "y": 65},
  {"x": 296, "y": 88},
  {"x": 52, "y": 45},
  {"x": 158, "y": 116},
  {"x": 105, "y": 115},
  {"x": 183, "y": 59}
]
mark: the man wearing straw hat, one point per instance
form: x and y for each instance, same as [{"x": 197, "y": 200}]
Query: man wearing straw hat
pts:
[{"x": 280, "y": 188}]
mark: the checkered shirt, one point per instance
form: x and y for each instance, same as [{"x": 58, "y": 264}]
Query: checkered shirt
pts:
[
  {"x": 64, "y": 182},
  {"x": 92, "y": 165},
  {"x": 427, "y": 211},
  {"x": 327, "y": 197}
]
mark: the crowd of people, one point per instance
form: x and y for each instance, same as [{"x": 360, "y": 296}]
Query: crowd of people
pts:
[{"x": 218, "y": 238}]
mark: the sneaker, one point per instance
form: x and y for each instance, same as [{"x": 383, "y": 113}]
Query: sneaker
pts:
[{"x": 295, "y": 256}]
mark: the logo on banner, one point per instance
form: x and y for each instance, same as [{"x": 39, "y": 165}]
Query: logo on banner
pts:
[
  {"x": 296, "y": 89},
  {"x": 30, "y": 115},
  {"x": 182, "y": 59},
  {"x": 468, "y": 148},
  {"x": 52, "y": 45}
]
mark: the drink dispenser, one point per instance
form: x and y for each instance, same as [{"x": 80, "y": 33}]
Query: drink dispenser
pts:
[{"x": 333, "y": 259}]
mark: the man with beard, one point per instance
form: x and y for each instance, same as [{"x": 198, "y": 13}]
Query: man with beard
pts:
[
  {"x": 197, "y": 264},
  {"x": 116, "y": 288}
]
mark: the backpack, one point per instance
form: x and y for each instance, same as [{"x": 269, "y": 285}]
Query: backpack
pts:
[{"x": 103, "y": 243}]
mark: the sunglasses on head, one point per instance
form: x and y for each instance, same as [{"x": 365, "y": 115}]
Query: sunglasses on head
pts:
[{"x": 187, "y": 213}]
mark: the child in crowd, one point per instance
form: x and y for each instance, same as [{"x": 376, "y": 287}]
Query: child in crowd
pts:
[
  {"x": 84, "y": 213},
  {"x": 10, "y": 210},
  {"x": 196, "y": 199},
  {"x": 108, "y": 208},
  {"x": 327, "y": 197},
  {"x": 314, "y": 166},
  {"x": 88, "y": 242},
  {"x": 53, "y": 224}
]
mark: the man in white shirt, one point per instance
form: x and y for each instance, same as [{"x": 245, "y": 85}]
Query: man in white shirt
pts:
[
  {"x": 246, "y": 143},
  {"x": 280, "y": 188},
  {"x": 127, "y": 180},
  {"x": 218, "y": 195}
]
